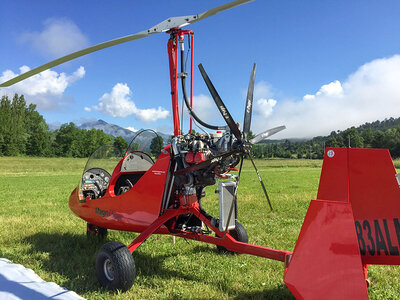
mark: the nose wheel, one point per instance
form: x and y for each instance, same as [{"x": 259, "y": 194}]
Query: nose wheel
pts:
[{"x": 115, "y": 267}]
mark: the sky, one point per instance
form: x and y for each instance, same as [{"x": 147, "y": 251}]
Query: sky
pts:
[{"x": 321, "y": 65}]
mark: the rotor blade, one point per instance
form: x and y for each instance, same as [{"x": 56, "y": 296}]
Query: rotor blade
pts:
[
  {"x": 221, "y": 106},
  {"x": 170, "y": 23},
  {"x": 74, "y": 55},
  {"x": 177, "y": 22},
  {"x": 249, "y": 103},
  {"x": 259, "y": 137},
  {"x": 218, "y": 9},
  {"x": 262, "y": 183}
]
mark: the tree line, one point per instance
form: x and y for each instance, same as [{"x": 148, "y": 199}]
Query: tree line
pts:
[
  {"x": 23, "y": 131},
  {"x": 379, "y": 134}
]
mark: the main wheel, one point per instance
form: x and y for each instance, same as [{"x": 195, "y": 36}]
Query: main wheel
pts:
[
  {"x": 95, "y": 231},
  {"x": 115, "y": 267},
  {"x": 368, "y": 282},
  {"x": 239, "y": 234}
]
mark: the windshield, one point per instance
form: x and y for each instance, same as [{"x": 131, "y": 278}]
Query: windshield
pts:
[
  {"x": 147, "y": 141},
  {"x": 97, "y": 172},
  {"x": 105, "y": 157}
]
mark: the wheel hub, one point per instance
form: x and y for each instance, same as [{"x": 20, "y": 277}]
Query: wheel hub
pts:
[{"x": 108, "y": 270}]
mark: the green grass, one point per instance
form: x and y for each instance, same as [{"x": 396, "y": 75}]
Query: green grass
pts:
[{"x": 39, "y": 231}]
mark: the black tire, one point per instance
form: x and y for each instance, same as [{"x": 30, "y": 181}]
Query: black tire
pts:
[
  {"x": 368, "y": 282},
  {"x": 93, "y": 231},
  {"x": 239, "y": 234},
  {"x": 115, "y": 267}
]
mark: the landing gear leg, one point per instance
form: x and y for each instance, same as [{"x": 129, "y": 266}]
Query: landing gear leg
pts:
[
  {"x": 95, "y": 231},
  {"x": 367, "y": 280},
  {"x": 115, "y": 267}
]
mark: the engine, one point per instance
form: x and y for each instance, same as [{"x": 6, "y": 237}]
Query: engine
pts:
[{"x": 189, "y": 150}]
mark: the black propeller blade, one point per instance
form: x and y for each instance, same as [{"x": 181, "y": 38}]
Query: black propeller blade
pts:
[
  {"x": 221, "y": 106},
  {"x": 246, "y": 128},
  {"x": 249, "y": 103},
  {"x": 241, "y": 137}
]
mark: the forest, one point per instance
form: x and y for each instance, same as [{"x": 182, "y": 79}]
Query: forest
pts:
[
  {"x": 379, "y": 134},
  {"x": 23, "y": 131}
]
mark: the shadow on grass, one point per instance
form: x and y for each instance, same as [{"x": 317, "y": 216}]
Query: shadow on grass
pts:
[
  {"x": 72, "y": 257},
  {"x": 70, "y": 261},
  {"x": 281, "y": 292}
]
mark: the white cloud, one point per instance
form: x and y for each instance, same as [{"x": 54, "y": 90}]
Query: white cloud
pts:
[
  {"x": 151, "y": 114},
  {"x": 264, "y": 107},
  {"x": 333, "y": 89},
  {"x": 205, "y": 108},
  {"x": 371, "y": 93},
  {"x": 58, "y": 38},
  {"x": 45, "y": 89},
  {"x": 118, "y": 104},
  {"x": 131, "y": 129},
  {"x": 262, "y": 90},
  {"x": 263, "y": 103}
]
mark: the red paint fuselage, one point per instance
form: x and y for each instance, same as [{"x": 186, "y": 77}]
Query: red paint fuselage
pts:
[{"x": 134, "y": 210}]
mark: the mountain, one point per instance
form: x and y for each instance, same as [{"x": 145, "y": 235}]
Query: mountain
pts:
[{"x": 115, "y": 130}]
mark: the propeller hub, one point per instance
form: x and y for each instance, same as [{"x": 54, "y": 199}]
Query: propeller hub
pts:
[{"x": 246, "y": 146}]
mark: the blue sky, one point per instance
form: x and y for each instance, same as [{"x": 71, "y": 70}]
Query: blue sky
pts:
[{"x": 321, "y": 65}]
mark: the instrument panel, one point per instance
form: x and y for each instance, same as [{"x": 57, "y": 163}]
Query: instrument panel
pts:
[{"x": 95, "y": 182}]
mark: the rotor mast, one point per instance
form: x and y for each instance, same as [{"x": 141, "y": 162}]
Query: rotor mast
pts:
[{"x": 176, "y": 40}]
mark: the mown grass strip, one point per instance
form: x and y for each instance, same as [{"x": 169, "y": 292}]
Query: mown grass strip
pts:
[{"x": 39, "y": 231}]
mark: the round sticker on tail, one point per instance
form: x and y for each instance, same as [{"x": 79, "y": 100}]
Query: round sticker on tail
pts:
[{"x": 330, "y": 153}]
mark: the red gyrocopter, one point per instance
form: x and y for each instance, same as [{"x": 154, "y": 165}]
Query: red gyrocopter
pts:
[{"x": 353, "y": 222}]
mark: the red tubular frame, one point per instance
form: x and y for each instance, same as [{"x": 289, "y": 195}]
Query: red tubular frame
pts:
[
  {"x": 228, "y": 241},
  {"x": 193, "y": 207}
]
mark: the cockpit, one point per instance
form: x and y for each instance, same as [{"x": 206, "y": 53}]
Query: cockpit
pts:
[{"x": 110, "y": 169}]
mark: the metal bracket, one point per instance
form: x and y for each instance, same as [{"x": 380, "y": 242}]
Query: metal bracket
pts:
[
  {"x": 182, "y": 75},
  {"x": 170, "y": 23}
]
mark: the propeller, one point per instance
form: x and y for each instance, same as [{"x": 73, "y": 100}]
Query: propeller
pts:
[
  {"x": 249, "y": 103},
  {"x": 221, "y": 106},
  {"x": 263, "y": 135},
  {"x": 245, "y": 144},
  {"x": 164, "y": 26}
]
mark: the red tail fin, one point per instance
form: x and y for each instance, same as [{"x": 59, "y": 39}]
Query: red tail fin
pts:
[
  {"x": 366, "y": 178},
  {"x": 355, "y": 221}
]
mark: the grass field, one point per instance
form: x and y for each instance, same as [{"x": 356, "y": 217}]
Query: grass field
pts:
[{"x": 39, "y": 231}]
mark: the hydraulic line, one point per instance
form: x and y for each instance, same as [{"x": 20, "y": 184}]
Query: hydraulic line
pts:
[{"x": 183, "y": 80}]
